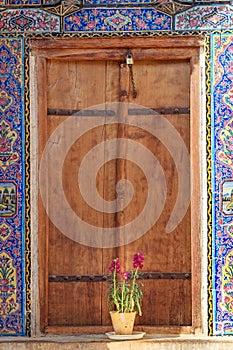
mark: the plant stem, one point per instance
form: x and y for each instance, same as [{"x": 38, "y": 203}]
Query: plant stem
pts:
[
  {"x": 114, "y": 284},
  {"x": 115, "y": 290},
  {"x": 132, "y": 289},
  {"x": 122, "y": 296}
]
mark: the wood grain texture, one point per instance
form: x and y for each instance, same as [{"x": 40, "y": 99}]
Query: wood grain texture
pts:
[
  {"x": 166, "y": 75},
  {"x": 100, "y": 43}
]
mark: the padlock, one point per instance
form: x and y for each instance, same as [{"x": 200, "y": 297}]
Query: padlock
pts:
[{"x": 129, "y": 59}]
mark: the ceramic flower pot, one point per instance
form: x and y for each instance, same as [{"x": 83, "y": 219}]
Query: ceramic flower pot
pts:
[{"x": 123, "y": 323}]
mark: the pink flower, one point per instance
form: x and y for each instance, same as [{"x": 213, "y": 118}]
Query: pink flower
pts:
[
  {"x": 138, "y": 260},
  {"x": 4, "y": 289},
  {"x": 158, "y": 20},
  {"x": 91, "y": 24},
  {"x": 15, "y": 251},
  {"x": 3, "y": 101},
  {"x": 141, "y": 24},
  {"x": 42, "y": 24},
  {"x": 194, "y": 22},
  {"x": 125, "y": 275},
  {"x": 220, "y": 221},
  {"x": 76, "y": 20},
  {"x": 115, "y": 265},
  {"x": 4, "y": 281},
  {"x": 53, "y": 24}
]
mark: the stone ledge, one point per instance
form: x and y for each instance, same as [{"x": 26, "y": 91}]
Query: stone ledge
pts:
[{"x": 101, "y": 342}]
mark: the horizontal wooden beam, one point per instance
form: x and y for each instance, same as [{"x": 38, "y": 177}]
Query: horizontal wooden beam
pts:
[
  {"x": 132, "y": 42},
  {"x": 116, "y": 54}
]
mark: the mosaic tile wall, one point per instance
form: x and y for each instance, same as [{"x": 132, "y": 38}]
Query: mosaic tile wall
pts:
[
  {"x": 24, "y": 19},
  {"x": 222, "y": 181},
  {"x": 12, "y": 174}
]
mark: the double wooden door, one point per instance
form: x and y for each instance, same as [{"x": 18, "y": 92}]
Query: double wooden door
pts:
[{"x": 94, "y": 81}]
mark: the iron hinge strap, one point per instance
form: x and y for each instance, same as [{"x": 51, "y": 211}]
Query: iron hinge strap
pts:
[
  {"x": 111, "y": 113},
  {"x": 104, "y": 278}
]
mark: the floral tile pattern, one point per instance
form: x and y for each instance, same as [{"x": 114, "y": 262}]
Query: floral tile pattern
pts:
[
  {"x": 222, "y": 141},
  {"x": 8, "y": 285},
  {"x": 5, "y": 231},
  {"x": 115, "y": 2},
  {"x": 31, "y": 20},
  {"x": 107, "y": 2},
  {"x": 117, "y": 20},
  {"x": 12, "y": 285},
  {"x": 26, "y": 3},
  {"x": 204, "y": 18}
]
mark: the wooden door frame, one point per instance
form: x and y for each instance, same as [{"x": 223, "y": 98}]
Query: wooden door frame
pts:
[{"x": 157, "y": 48}]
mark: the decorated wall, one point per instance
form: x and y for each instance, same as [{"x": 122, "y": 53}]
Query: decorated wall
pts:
[{"x": 21, "y": 20}]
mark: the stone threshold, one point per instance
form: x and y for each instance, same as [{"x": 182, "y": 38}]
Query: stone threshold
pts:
[{"x": 101, "y": 342}]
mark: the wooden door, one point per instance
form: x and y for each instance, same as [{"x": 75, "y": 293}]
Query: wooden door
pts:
[{"x": 73, "y": 287}]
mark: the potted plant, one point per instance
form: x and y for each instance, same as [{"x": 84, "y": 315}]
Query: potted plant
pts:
[{"x": 125, "y": 294}]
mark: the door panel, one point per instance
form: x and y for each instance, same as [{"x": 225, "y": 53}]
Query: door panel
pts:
[
  {"x": 72, "y": 85},
  {"x": 76, "y": 304},
  {"x": 164, "y": 83}
]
